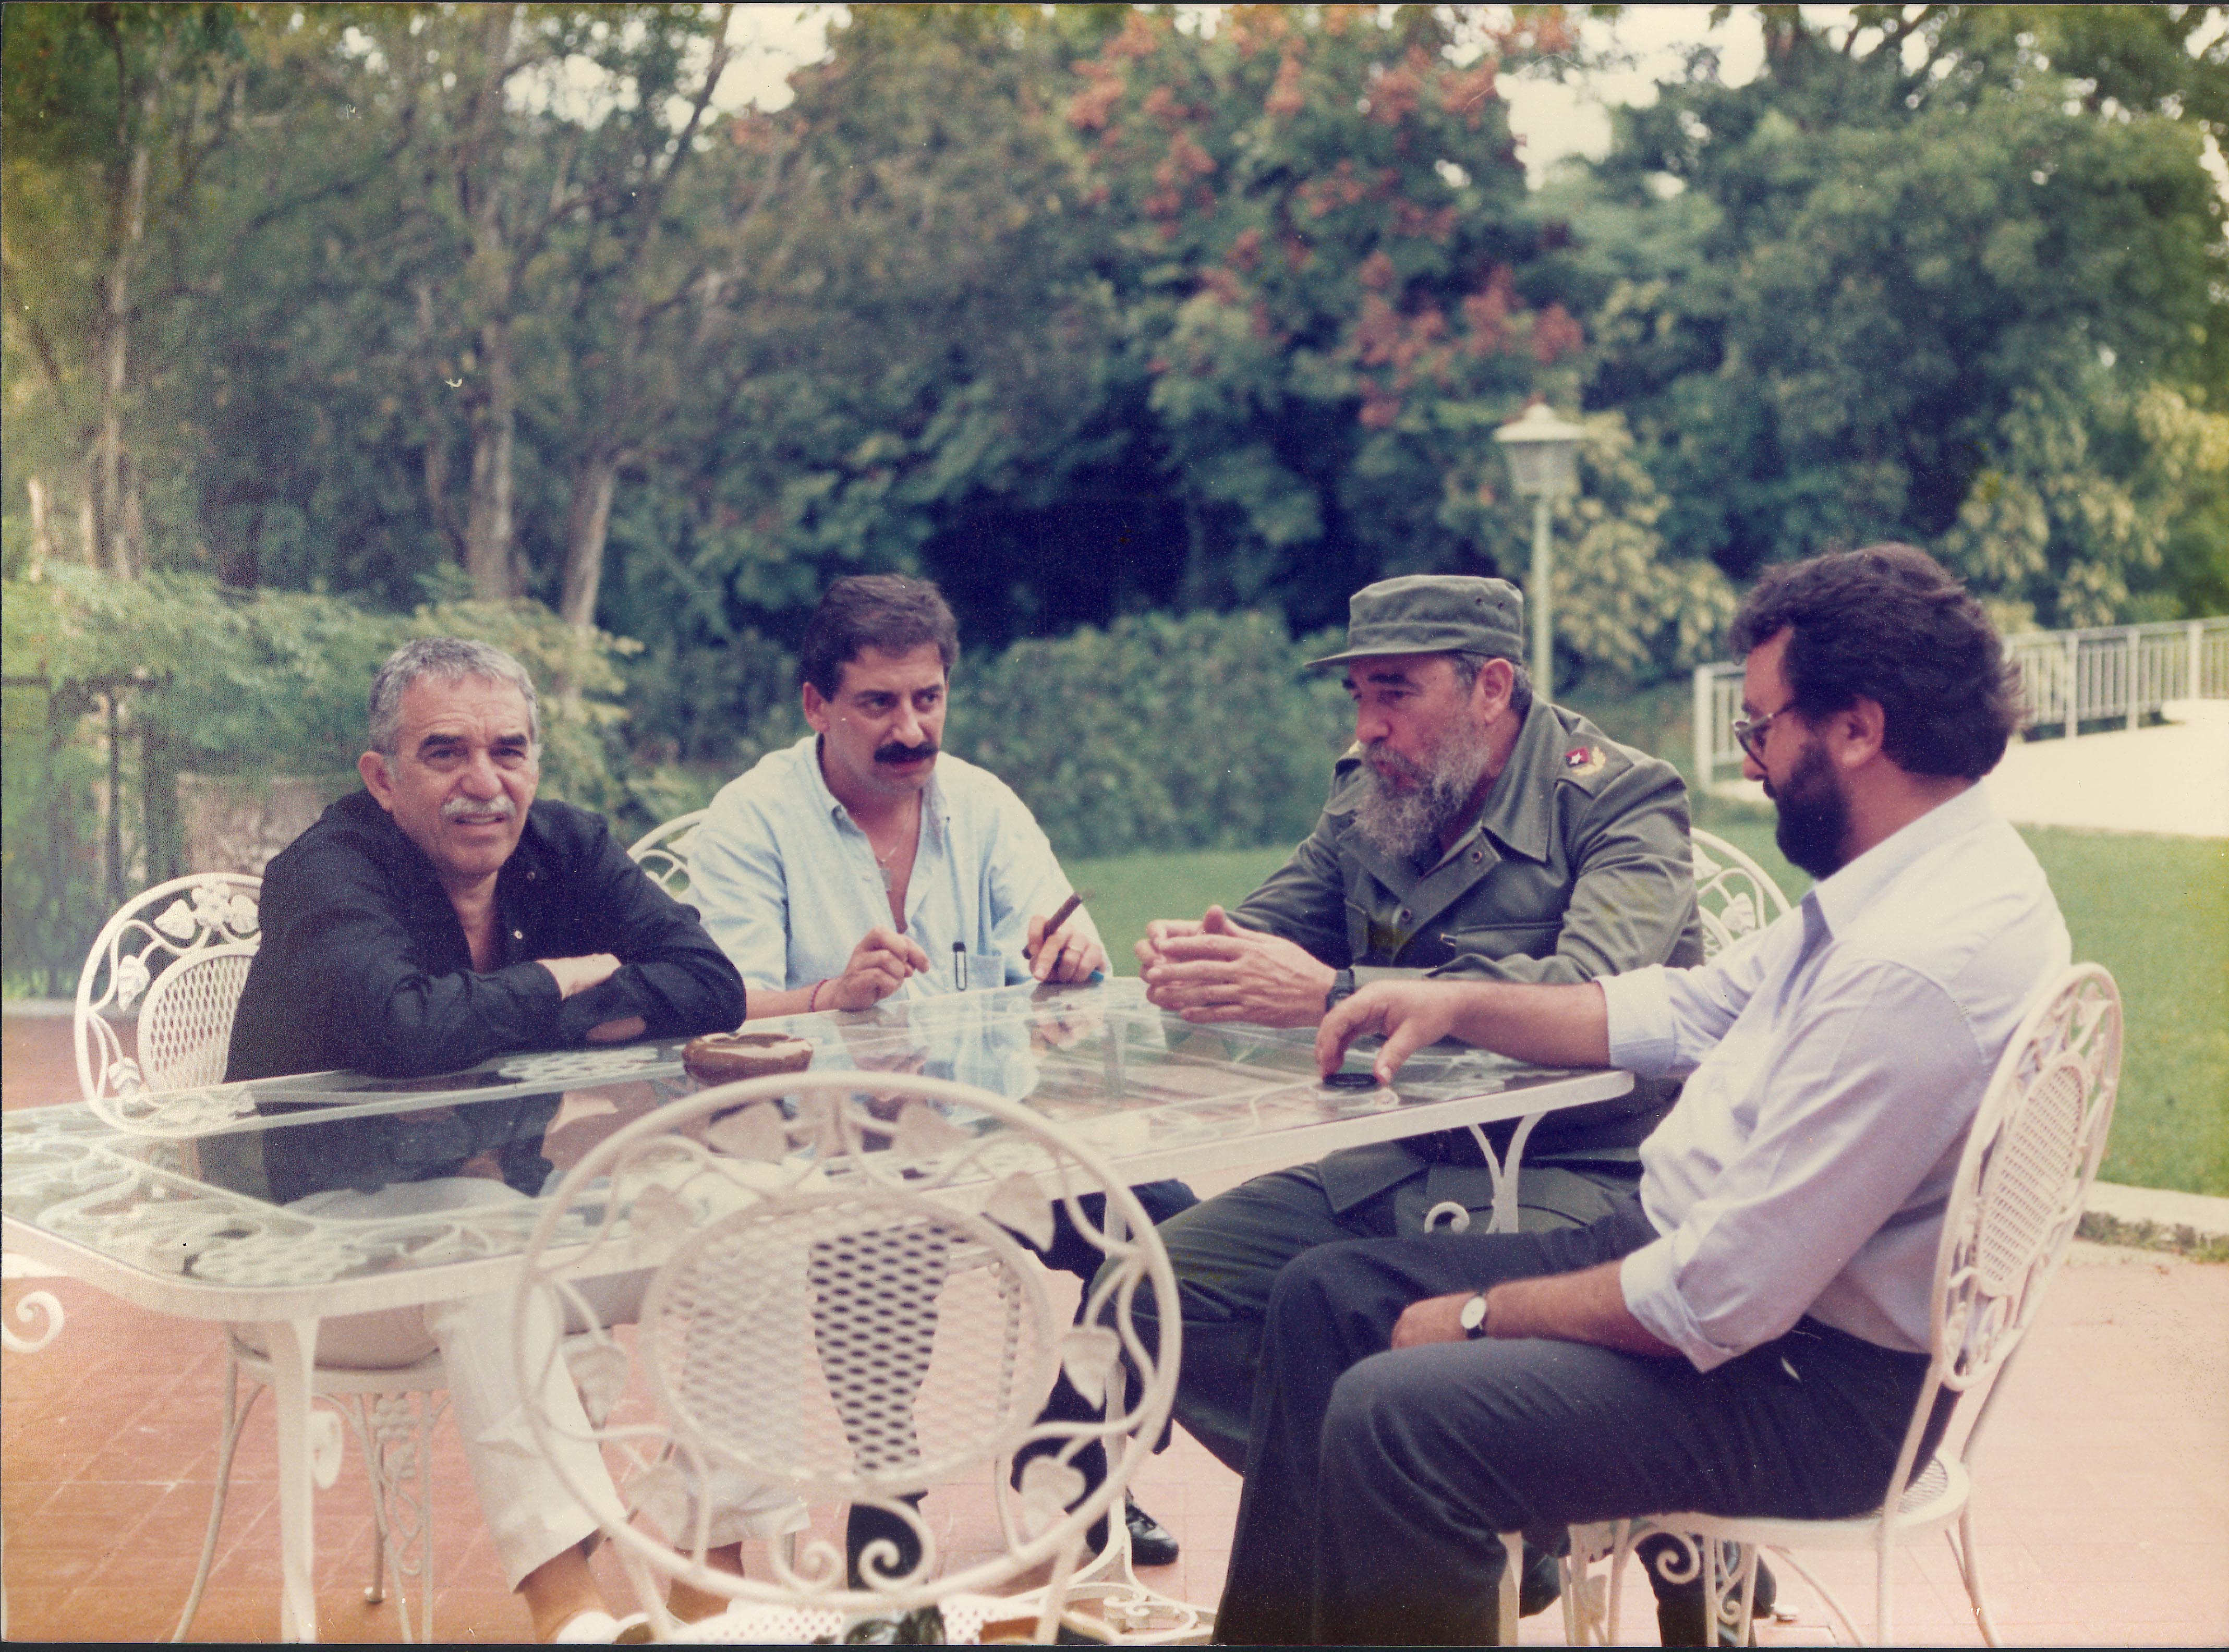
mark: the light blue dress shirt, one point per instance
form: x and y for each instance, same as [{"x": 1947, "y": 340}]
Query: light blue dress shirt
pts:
[
  {"x": 787, "y": 884},
  {"x": 1833, "y": 1064}
]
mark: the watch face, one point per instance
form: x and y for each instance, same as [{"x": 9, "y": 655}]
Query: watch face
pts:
[{"x": 1473, "y": 1313}]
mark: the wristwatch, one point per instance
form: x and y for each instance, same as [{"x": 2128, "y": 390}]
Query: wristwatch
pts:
[
  {"x": 1342, "y": 985},
  {"x": 1472, "y": 1317}
]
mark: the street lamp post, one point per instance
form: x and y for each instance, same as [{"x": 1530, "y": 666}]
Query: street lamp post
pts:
[{"x": 1543, "y": 465}]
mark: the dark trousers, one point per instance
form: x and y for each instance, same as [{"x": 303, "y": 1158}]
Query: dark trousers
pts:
[
  {"x": 1072, "y": 1253},
  {"x": 879, "y": 1424},
  {"x": 1377, "y": 1481},
  {"x": 1228, "y": 1253}
]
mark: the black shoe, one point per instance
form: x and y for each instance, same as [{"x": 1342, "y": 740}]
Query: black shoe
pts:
[
  {"x": 1152, "y": 1544},
  {"x": 1542, "y": 1585}
]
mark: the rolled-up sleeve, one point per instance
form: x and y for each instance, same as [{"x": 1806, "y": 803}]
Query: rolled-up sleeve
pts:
[{"x": 1865, "y": 1102}]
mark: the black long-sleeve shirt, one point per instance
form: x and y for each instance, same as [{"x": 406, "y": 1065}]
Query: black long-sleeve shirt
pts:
[{"x": 364, "y": 965}]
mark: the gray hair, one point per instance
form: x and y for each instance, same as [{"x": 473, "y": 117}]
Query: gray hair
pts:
[
  {"x": 1468, "y": 665},
  {"x": 445, "y": 660}
]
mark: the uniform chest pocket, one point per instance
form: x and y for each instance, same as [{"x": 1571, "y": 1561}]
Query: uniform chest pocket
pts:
[{"x": 1449, "y": 942}]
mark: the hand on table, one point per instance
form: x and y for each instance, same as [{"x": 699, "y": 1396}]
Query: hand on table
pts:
[
  {"x": 1222, "y": 971},
  {"x": 1410, "y": 1014},
  {"x": 1070, "y": 956},
  {"x": 878, "y": 965}
]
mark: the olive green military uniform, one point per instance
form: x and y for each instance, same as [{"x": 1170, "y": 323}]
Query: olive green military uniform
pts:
[{"x": 1577, "y": 866}]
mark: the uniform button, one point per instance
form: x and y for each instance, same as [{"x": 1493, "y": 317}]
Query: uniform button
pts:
[
  {"x": 530, "y": 875},
  {"x": 1404, "y": 914},
  {"x": 518, "y": 935},
  {"x": 1478, "y": 854}
]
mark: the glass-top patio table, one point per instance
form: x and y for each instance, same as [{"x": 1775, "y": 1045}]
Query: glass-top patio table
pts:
[{"x": 168, "y": 1203}]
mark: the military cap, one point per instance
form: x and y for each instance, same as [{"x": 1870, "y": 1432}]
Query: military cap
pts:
[{"x": 1434, "y": 613}]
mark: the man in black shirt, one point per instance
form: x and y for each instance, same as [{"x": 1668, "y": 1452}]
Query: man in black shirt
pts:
[{"x": 439, "y": 917}]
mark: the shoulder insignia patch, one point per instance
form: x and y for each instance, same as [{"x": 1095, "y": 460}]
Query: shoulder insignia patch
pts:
[{"x": 1582, "y": 760}]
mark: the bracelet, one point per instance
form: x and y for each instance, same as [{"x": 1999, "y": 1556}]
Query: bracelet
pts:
[{"x": 812, "y": 998}]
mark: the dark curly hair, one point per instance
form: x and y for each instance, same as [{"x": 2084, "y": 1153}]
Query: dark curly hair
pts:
[
  {"x": 1888, "y": 625},
  {"x": 884, "y": 611}
]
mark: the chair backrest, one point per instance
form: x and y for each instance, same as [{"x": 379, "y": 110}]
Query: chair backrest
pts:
[
  {"x": 662, "y": 851},
  {"x": 2030, "y": 1153},
  {"x": 170, "y": 963},
  {"x": 845, "y": 1311},
  {"x": 1733, "y": 895}
]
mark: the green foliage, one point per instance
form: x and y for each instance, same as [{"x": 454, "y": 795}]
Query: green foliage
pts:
[
  {"x": 225, "y": 683},
  {"x": 1858, "y": 300},
  {"x": 2156, "y": 912},
  {"x": 1200, "y": 733}
]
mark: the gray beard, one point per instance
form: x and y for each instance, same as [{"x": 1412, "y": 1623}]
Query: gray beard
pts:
[{"x": 1408, "y": 824}]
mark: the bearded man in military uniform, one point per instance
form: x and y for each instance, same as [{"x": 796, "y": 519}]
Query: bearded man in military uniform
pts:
[{"x": 1475, "y": 831}]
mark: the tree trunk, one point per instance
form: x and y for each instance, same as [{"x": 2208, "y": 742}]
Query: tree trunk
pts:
[
  {"x": 114, "y": 501},
  {"x": 588, "y": 519},
  {"x": 488, "y": 527},
  {"x": 43, "y": 544}
]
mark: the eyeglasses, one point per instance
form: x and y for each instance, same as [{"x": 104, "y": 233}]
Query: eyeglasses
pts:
[{"x": 1749, "y": 732}]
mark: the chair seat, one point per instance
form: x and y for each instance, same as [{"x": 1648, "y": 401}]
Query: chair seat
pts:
[{"x": 1935, "y": 1498}]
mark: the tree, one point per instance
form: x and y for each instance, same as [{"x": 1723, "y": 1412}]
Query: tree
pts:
[
  {"x": 1915, "y": 283},
  {"x": 113, "y": 114}
]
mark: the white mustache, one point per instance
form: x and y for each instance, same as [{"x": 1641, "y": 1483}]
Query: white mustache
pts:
[{"x": 500, "y": 806}]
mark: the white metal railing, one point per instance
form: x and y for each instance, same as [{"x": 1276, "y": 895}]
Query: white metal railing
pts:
[{"x": 2112, "y": 675}]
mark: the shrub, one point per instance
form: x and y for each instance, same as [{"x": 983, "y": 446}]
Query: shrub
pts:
[{"x": 1159, "y": 733}]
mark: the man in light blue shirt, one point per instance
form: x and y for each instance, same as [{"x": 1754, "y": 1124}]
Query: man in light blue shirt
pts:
[
  {"x": 866, "y": 861},
  {"x": 1747, "y": 1334}
]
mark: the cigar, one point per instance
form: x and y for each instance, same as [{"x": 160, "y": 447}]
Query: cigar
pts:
[{"x": 1061, "y": 914}]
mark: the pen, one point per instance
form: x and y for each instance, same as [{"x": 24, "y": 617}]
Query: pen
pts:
[
  {"x": 1061, "y": 914},
  {"x": 959, "y": 963}
]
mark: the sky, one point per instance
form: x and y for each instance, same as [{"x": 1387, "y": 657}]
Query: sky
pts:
[{"x": 1551, "y": 120}]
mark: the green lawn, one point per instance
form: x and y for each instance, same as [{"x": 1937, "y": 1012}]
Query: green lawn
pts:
[{"x": 2153, "y": 911}]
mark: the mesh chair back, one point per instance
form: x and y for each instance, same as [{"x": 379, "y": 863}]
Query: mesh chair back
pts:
[
  {"x": 2033, "y": 1152},
  {"x": 1733, "y": 895},
  {"x": 185, "y": 1025},
  {"x": 171, "y": 964},
  {"x": 662, "y": 851},
  {"x": 846, "y": 1309}
]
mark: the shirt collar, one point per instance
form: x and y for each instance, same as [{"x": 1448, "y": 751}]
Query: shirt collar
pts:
[
  {"x": 934, "y": 811},
  {"x": 1515, "y": 811},
  {"x": 1840, "y": 897}
]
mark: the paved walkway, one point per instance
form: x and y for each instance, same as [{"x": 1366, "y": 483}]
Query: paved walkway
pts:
[{"x": 2104, "y": 1508}]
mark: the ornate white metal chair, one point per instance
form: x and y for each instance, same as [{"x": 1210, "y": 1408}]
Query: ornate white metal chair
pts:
[
  {"x": 1733, "y": 894},
  {"x": 842, "y": 1309},
  {"x": 662, "y": 851},
  {"x": 171, "y": 964},
  {"x": 2033, "y": 1152}
]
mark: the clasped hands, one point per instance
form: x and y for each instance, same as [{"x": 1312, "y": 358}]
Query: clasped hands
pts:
[{"x": 1216, "y": 969}]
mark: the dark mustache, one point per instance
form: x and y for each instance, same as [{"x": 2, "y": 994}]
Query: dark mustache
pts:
[{"x": 895, "y": 753}]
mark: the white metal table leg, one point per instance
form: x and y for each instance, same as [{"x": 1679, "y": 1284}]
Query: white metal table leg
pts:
[{"x": 294, "y": 1351}]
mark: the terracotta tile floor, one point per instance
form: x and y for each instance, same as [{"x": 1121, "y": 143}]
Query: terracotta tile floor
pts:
[{"x": 2104, "y": 1506}]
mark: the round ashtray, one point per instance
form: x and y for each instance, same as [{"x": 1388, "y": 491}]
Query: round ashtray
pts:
[{"x": 722, "y": 1057}]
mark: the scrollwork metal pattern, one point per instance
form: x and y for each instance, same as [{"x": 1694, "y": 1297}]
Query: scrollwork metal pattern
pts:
[
  {"x": 1733, "y": 897},
  {"x": 662, "y": 851},
  {"x": 845, "y": 1310},
  {"x": 173, "y": 962}
]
